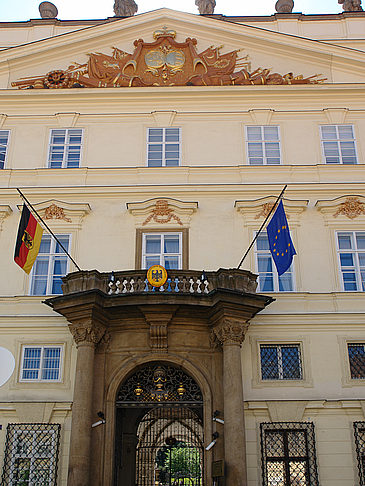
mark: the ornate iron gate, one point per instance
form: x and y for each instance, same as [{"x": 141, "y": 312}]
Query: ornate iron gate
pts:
[{"x": 169, "y": 436}]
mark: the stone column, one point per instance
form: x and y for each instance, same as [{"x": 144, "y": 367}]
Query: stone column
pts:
[
  {"x": 231, "y": 333},
  {"x": 87, "y": 335}
]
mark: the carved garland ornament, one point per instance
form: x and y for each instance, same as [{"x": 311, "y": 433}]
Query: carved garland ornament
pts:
[
  {"x": 230, "y": 331},
  {"x": 162, "y": 214},
  {"x": 352, "y": 208},
  {"x": 55, "y": 212},
  {"x": 163, "y": 62}
]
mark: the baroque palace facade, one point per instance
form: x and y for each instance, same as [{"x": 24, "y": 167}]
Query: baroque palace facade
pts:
[{"x": 165, "y": 138}]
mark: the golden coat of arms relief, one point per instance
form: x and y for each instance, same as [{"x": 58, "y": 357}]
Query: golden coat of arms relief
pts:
[{"x": 164, "y": 62}]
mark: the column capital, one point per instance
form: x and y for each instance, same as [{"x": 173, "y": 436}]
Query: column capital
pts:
[
  {"x": 230, "y": 331},
  {"x": 87, "y": 332}
]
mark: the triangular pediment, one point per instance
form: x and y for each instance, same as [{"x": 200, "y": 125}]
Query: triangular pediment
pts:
[{"x": 281, "y": 53}]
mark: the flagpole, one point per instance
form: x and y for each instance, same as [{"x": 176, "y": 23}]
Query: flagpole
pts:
[
  {"x": 262, "y": 226},
  {"x": 49, "y": 230}
]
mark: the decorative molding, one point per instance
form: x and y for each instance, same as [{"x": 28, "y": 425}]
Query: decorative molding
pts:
[
  {"x": 4, "y": 213},
  {"x": 162, "y": 211},
  {"x": 60, "y": 212},
  {"x": 349, "y": 206},
  {"x": 261, "y": 116},
  {"x": 286, "y": 411},
  {"x": 55, "y": 212},
  {"x": 230, "y": 331},
  {"x": 87, "y": 332},
  {"x": 163, "y": 118},
  {"x": 158, "y": 320},
  {"x": 337, "y": 116},
  {"x": 258, "y": 209},
  {"x": 67, "y": 120},
  {"x": 3, "y": 118}
]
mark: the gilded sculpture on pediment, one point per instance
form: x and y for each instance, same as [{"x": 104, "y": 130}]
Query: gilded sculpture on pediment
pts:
[{"x": 164, "y": 62}]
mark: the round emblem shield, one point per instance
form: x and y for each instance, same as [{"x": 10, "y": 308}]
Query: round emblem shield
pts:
[{"x": 157, "y": 275}]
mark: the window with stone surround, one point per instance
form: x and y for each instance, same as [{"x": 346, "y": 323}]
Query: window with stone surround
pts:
[
  {"x": 41, "y": 363},
  {"x": 338, "y": 144},
  {"x": 162, "y": 249},
  {"x": 163, "y": 147},
  {"x": 351, "y": 253},
  {"x": 356, "y": 353},
  {"x": 4, "y": 141},
  {"x": 288, "y": 454},
  {"x": 280, "y": 362},
  {"x": 263, "y": 145},
  {"x": 65, "y": 148},
  {"x": 31, "y": 455}
]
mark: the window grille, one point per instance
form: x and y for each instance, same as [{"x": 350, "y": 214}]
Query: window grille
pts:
[
  {"x": 65, "y": 148},
  {"x": 4, "y": 139},
  {"x": 163, "y": 147},
  {"x": 41, "y": 363},
  {"x": 50, "y": 266},
  {"x": 263, "y": 145},
  {"x": 351, "y": 252},
  {"x": 288, "y": 454},
  {"x": 280, "y": 362},
  {"x": 359, "y": 432},
  {"x": 357, "y": 360},
  {"x": 338, "y": 142},
  {"x": 269, "y": 280},
  {"x": 162, "y": 249},
  {"x": 31, "y": 455}
]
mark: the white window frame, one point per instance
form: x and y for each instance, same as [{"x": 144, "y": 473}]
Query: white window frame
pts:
[
  {"x": 355, "y": 252},
  {"x": 66, "y": 145},
  {"x": 279, "y": 347},
  {"x": 161, "y": 254},
  {"x": 263, "y": 142},
  {"x": 163, "y": 143},
  {"x": 6, "y": 148},
  {"x": 274, "y": 272},
  {"x": 51, "y": 255},
  {"x": 338, "y": 140},
  {"x": 42, "y": 347}
]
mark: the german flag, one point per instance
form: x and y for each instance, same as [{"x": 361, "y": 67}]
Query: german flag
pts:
[{"x": 28, "y": 240}]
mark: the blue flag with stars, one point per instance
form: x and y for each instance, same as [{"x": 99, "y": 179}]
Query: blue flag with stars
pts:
[{"x": 281, "y": 245}]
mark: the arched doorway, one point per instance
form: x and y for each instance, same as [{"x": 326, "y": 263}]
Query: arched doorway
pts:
[{"x": 159, "y": 429}]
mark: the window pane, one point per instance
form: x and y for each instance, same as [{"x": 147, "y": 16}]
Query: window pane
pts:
[
  {"x": 31, "y": 363},
  {"x": 172, "y": 134},
  {"x": 155, "y": 135},
  {"x": 171, "y": 244},
  {"x": 269, "y": 363},
  {"x": 39, "y": 286},
  {"x": 348, "y": 152},
  {"x": 286, "y": 282},
  {"x": 266, "y": 282},
  {"x": 345, "y": 132},
  {"x": 64, "y": 240},
  {"x": 41, "y": 266},
  {"x": 171, "y": 263},
  {"x": 360, "y": 241},
  {"x": 58, "y": 136},
  {"x": 60, "y": 266},
  {"x": 344, "y": 242},
  {"x": 347, "y": 260},
  {"x": 254, "y": 133},
  {"x": 262, "y": 242},
  {"x": 150, "y": 261},
  {"x": 264, "y": 264},
  {"x": 331, "y": 152},
  {"x": 271, "y": 133},
  {"x": 56, "y": 286},
  {"x": 329, "y": 132},
  {"x": 291, "y": 362},
  {"x": 51, "y": 364},
  {"x": 153, "y": 244}
]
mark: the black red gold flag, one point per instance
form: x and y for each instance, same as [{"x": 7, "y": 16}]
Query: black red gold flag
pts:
[{"x": 28, "y": 240}]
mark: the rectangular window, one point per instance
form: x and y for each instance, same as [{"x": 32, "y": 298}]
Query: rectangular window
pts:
[
  {"x": 163, "y": 147},
  {"x": 4, "y": 140},
  {"x": 65, "y": 148},
  {"x": 351, "y": 252},
  {"x": 162, "y": 249},
  {"x": 263, "y": 145},
  {"x": 50, "y": 266},
  {"x": 359, "y": 432},
  {"x": 357, "y": 360},
  {"x": 288, "y": 454},
  {"x": 269, "y": 280},
  {"x": 41, "y": 363},
  {"x": 280, "y": 362},
  {"x": 31, "y": 455},
  {"x": 338, "y": 142}
]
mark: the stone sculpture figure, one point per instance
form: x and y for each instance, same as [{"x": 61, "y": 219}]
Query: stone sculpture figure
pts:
[
  {"x": 351, "y": 5},
  {"x": 125, "y": 8},
  {"x": 205, "y": 6},
  {"x": 284, "y": 6}
]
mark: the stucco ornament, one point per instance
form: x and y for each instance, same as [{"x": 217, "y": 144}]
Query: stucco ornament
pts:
[
  {"x": 86, "y": 332},
  {"x": 125, "y": 8},
  {"x": 351, "y": 5},
  {"x": 205, "y": 6},
  {"x": 55, "y": 212},
  {"x": 162, "y": 214},
  {"x": 230, "y": 331},
  {"x": 352, "y": 208}
]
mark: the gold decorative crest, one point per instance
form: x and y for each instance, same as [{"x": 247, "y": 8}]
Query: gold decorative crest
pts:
[
  {"x": 157, "y": 275},
  {"x": 352, "y": 208}
]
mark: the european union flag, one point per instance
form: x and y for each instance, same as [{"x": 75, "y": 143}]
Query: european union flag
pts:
[{"x": 281, "y": 245}]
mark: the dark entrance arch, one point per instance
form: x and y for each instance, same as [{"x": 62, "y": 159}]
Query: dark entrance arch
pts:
[{"x": 159, "y": 429}]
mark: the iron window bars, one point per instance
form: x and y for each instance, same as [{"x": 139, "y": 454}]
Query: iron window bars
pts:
[
  {"x": 280, "y": 362},
  {"x": 356, "y": 353},
  {"x": 359, "y": 432},
  {"x": 31, "y": 455},
  {"x": 288, "y": 454}
]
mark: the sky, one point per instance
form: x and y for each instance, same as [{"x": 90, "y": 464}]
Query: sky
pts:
[{"x": 18, "y": 10}]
